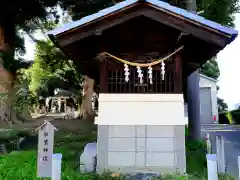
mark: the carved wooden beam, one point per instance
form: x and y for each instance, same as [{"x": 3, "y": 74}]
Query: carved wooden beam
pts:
[{"x": 181, "y": 35}]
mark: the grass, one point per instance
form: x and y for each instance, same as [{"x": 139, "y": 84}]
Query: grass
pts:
[
  {"x": 196, "y": 159},
  {"x": 21, "y": 165}
]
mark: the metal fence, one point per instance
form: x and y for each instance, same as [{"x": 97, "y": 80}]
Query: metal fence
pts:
[{"x": 224, "y": 141}]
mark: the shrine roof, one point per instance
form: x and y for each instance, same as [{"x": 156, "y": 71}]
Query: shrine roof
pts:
[{"x": 157, "y": 4}]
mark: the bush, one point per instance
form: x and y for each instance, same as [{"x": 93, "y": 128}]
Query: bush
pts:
[
  {"x": 171, "y": 177},
  {"x": 235, "y": 116},
  {"x": 186, "y": 131},
  {"x": 225, "y": 118},
  {"x": 230, "y": 117},
  {"x": 196, "y": 158},
  {"x": 224, "y": 176}
]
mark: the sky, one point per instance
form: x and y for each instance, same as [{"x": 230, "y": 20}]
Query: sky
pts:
[
  {"x": 229, "y": 66},
  {"x": 228, "y": 62}
]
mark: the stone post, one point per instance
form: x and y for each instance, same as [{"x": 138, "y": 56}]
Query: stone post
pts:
[{"x": 193, "y": 95}]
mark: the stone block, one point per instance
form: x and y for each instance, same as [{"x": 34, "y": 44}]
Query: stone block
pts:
[
  {"x": 158, "y": 159},
  {"x": 140, "y": 159},
  {"x": 121, "y": 131},
  {"x": 160, "y": 131},
  {"x": 140, "y": 130},
  {"x": 121, "y": 159},
  {"x": 140, "y": 144},
  {"x": 121, "y": 144},
  {"x": 159, "y": 144}
]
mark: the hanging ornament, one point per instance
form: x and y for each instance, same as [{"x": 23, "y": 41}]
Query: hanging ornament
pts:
[
  {"x": 140, "y": 75},
  {"x": 126, "y": 69},
  {"x": 150, "y": 74},
  {"x": 163, "y": 70}
]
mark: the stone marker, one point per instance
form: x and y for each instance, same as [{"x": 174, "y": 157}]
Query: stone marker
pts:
[
  {"x": 45, "y": 149},
  {"x": 88, "y": 158}
]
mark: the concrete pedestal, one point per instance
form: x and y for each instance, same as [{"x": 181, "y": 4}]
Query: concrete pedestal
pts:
[{"x": 141, "y": 133}]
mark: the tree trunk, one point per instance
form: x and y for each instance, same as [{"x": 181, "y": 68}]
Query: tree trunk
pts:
[
  {"x": 11, "y": 103},
  {"x": 8, "y": 112},
  {"x": 7, "y": 44},
  {"x": 3, "y": 102},
  {"x": 26, "y": 115},
  {"x": 86, "y": 110}
]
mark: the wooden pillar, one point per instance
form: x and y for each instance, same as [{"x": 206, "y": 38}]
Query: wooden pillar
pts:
[
  {"x": 103, "y": 78},
  {"x": 2, "y": 44},
  {"x": 178, "y": 74},
  {"x": 103, "y": 67},
  {"x": 4, "y": 82}
]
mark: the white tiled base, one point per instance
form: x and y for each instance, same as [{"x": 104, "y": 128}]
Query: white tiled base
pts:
[
  {"x": 141, "y": 132},
  {"x": 154, "y": 150}
]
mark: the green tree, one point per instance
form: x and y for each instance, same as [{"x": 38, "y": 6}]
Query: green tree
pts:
[
  {"x": 221, "y": 11},
  {"x": 78, "y": 9},
  {"x": 51, "y": 69},
  {"x": 211, "y": 69},
  {"x": 222, "y": 106},
  {"x": 23, "y": 98},
  {"x": 16, "y": 16}
]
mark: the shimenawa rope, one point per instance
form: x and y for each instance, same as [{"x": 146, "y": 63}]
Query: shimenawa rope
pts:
[{"x": 144, "y": 64}]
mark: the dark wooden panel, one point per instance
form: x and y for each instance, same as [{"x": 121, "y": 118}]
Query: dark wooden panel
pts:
[{"x": 116, "y": 81}]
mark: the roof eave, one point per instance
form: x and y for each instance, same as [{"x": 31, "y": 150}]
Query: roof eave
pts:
[
  {"x": 231, "y": 35},
  {"x": 132, "y": 3}
]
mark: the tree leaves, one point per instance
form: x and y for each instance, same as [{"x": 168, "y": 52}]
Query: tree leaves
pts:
[
  {"x": 222, "y": 106},
  {"x": 51, "y": 69},
  {"x": 211, "y": 69},
  {"x": 81, "y": 8},
  {"x": 221, "y": 11}
]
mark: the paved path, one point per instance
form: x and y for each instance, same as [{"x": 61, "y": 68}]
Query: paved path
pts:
[{"x": 231, "y": 137}]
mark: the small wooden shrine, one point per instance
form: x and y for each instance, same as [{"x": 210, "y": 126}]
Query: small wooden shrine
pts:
[{"x": 140, "y": 53}]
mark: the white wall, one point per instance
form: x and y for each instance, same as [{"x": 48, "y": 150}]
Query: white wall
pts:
[
  {"x": 208, "y": 82},
  {"x": 141, "y": 109}
]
